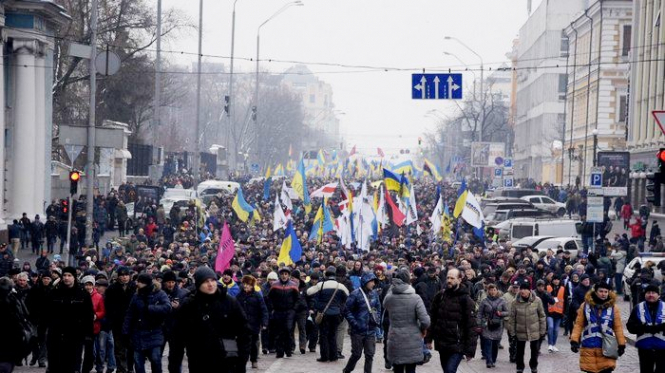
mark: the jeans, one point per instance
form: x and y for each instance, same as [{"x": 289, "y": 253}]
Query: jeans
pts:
[
  {"x": 553, "y": 325},
  {"x": 450, "y": 361},
  {"x": 104, "y": 351},
  {"x": 123, "y": 354},
  {"x": 512, "y": 348},
  {"x": 6, "y": 367},
  {"x": 328, "y": 337},
  {"x": 533, "y": 361},
  {"x": 341, "y": 332},
  {"x": 490, "y": 350},
  {"x": 617, "y": 283},
  {"x": 360, "y": 343},
  {"x": 154, "y": 355},
  {"x": 379, "y": 333}
]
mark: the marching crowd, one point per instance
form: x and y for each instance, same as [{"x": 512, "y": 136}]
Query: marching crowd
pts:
[{"x": 155, "y": 293}]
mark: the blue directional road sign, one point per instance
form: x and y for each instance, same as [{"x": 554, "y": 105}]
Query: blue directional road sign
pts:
[
  {"x": 596, "y": 178},
  {"x": 255, "y": 167},
  {"x": 436, "y": 86}
]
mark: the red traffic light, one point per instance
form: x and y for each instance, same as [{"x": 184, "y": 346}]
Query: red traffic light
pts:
[
  {"x": 661, "y": 155},
  {"x": 74, "y": 176}
]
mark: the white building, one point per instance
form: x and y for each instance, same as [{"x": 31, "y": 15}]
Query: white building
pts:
[
  {"x": 541, "y": 90},
  {"x": 597, "y": 85},
  {"x": 27, "y": 29}
]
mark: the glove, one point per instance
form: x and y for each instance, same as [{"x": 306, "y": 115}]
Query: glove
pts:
[
  {"x": 622, "y": 350},
  {"x": 575, "y": 347}
]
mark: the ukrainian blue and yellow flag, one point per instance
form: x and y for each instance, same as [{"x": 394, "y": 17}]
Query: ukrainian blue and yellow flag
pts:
[
  {"x": 322, "y": 224},
  {"x": 266, "y": 185},
  {"x": 299, "y": 184},
  {"x": 242, "y": 209},
  {"x": 320, "y": 158},
  {"x": 461, "y": 199},
  {"x": 405, "y": 167},
  {"x": 396, "y": 183},
  {"x": 291, "y": 250},
  {"x": 432, "y": 169},
  {"x": 279, "y": 170}
]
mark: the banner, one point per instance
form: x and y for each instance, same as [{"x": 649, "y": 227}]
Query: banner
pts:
[
  {"x": 487, "y": 154},
  {"x": 616, "y": 166}
]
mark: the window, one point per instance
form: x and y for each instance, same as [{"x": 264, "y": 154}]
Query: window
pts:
[
  {"x": 534, "y": 200},
  {"x": 625, "y": 42},
  {"x": 312, "y": 99},
  {"x": 563, "y": 51},
  {"x": 623, "y": 108},
  {"x": 548, "y": 201},
  {"x": 563, "y": 86}
]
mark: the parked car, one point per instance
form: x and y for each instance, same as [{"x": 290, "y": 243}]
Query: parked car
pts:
[
  {"x": 572, "y": 244},
  {"x": 515, "y": 229},
  {"x": 548, "y": 204},
  {"x": 515, "y": 192},
  {"x": 212, "y": 187},
  {"x": 530, "y": 241},
  {"x": 490, "y": 209},
  {"x": 517, "y": 212},
  {"x": 642, "y": 258}
]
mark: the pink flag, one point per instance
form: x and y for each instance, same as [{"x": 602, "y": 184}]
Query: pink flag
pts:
[
  {"x": 226, "y": 250},
  {"x": 380, "y": 152},
  {"x": 353, "y": 151}
]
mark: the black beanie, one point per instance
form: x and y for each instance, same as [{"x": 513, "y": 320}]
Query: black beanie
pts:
[
  {"x": 70, "y": 270},
  {"x": 169, "y": 276},
  {"x": 602, "y": 285},
  {"x": 202, "y": 274},
  {"x": 144, "y": 278},
  {"x": 652, "y": 287}
]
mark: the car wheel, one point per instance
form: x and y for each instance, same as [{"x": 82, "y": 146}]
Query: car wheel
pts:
[{"x": 561, "y": 212}]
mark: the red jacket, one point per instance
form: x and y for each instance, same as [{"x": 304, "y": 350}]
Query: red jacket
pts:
[
  {"x": 100, "y": 311},
  {"x": 636, "y": 230},
  {"x": 626, "y": 212}
]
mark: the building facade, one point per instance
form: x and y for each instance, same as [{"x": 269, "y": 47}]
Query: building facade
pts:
[
  {"x": 28, "y": 29},
  {"x": 597, "y": 85},
  {"x": 541, "y": 90}
]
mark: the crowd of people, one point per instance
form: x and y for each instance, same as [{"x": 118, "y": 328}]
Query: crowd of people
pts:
[{"x": 154, "y": 292}]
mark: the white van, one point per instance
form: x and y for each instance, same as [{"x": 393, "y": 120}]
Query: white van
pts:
[
  {"x": 521, "y": 228},
  {"x": 212, "y": 187}
]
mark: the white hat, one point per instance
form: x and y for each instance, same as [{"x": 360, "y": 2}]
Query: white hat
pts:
[{"x": 88, "y": 279}]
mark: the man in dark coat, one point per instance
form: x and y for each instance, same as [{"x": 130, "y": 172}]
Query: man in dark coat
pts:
[
  {"x": 118, "y": 297},
  {"x": 37, "y": 235},
  {"x": 69, "y": 322},
  {"x": 256, "y": 311},
  {"x": 144, "y": 323},
  {"x": 283, "y": 296},
  {"x": 37, "y": 303},
  {"x": 453, "y": 326},
  {"x": 427, "y": 286},
  {"x": 212, "y": 327},
  {"x": 176, "y": 296},
  {"x": 363, "y": 311},
  {"x": 12, "y": 332}
]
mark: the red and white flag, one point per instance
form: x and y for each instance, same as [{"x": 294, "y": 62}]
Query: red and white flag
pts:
[
  {"x": 226, "y": 250},
  {"x": 325, "y": 191},
  {"x": 380, "y": 151}
]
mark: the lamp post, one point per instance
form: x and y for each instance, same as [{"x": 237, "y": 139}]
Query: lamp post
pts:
[
  {"x": 231, "y": 99},
  {"x": 468, "y": 69},
  {"x": 482, "y": 65},
  {"x": 595, "y": 145}
]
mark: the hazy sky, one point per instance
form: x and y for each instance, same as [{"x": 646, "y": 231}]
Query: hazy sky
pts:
[{"x": 406, "y": 34}]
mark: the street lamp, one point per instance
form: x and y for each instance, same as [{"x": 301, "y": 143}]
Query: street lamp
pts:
[
  {"x": 231, "y": 99},
  {"x": 595, "y": 145},
  {"x": 467, "y": 68},
  {"x": 258, "y": 45},
  {"x": 482, "y": 65}
]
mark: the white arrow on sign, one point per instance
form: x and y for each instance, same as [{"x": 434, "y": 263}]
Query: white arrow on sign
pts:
[
  {"x": 421, "y": 87},
  {"x": 451, "y": 87},
  {"x": 436, "y": 87},
  {"x": 659, "y": 116}
]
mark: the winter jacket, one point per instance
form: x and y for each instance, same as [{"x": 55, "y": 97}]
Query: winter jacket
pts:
[
  {"x": 37, "y": 303},
  {"x": 255, "y": 309},
  {"x": 453, "y": 322},
  {"x": 427, "y": 288},
  {"x": 408, "y": 320},
  {"x": 527, "y": 319},
  {"x": 283, "y": 296},
  {"x": 145, "y": 317},
  {"x": 232, "y": 288},
  {"x": 202, "y": 336},
  {"x": 323, "y": 291},
  {"x": 12, "y": 332},
  {"x": 362, "y": 320},
  {"x": 491, "y": 311},
  {"x": 591, "y": 352},
  {"x": 98, "y": 308},
  {"x": 578, "y": 296},
  {"x": 177, "y": 293},
  {"x": 647, "y": 321},
  {"x": 70, "y": 315},
  {"x": 117, "y": 299}
]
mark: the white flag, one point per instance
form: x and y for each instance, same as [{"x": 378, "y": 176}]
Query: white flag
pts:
[
  {"x": 279, "y": 219},
  {"x": 381, "y": 210},
  {"x": 435, "y": 219},
  {"x": 472, "y": 213},
  {"x": 412, "y": 213},
  {"x": 286, "y": 196}
]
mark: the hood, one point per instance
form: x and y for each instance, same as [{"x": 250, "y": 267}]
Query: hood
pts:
[
  {"x": 400, "y": 287},
  {"x": 591, "y": 299},
  {"x": 367, "y": 277}
]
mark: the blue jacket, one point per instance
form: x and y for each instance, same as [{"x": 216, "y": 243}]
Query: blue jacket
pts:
[
  {"x": 361, "y": 319},
  {"x": 232, "y": 289},
  {"x": 145, "y": 318}
]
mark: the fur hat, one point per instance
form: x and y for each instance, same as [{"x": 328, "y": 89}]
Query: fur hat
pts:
[
  {"x": 144, "y": 278},
  {"x": 248, "y": 280},
  {"x": 70, "y": 270}
]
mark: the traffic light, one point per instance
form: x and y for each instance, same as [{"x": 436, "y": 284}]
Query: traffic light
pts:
[
  {"x": 661, "y": 165},
  {"x": 74, "y": 177},
  {"x": 653, "y": 188},
  {"x": 254, "y": 113},
  {"x": 420, "y": 140},
  {"x": 64, "y": 205},
  {"x": 227, "y": 99}
]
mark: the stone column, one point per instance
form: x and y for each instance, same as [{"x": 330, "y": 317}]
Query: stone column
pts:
[
  {"x": 3, "y": 148},
  {"x": 23, "y": 146},
  {"x": 40, "y": 169}
]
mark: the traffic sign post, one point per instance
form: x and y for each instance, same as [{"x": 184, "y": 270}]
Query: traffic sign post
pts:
[
  {"x": 508, "y": 182},
  {"x": 498, "y": 172},
  {"x": 436, "y": 86},
  {"x": 594, "y": 209},
  {"x": 508, "y": 163},
  {"x": 596, "y": 177}
]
